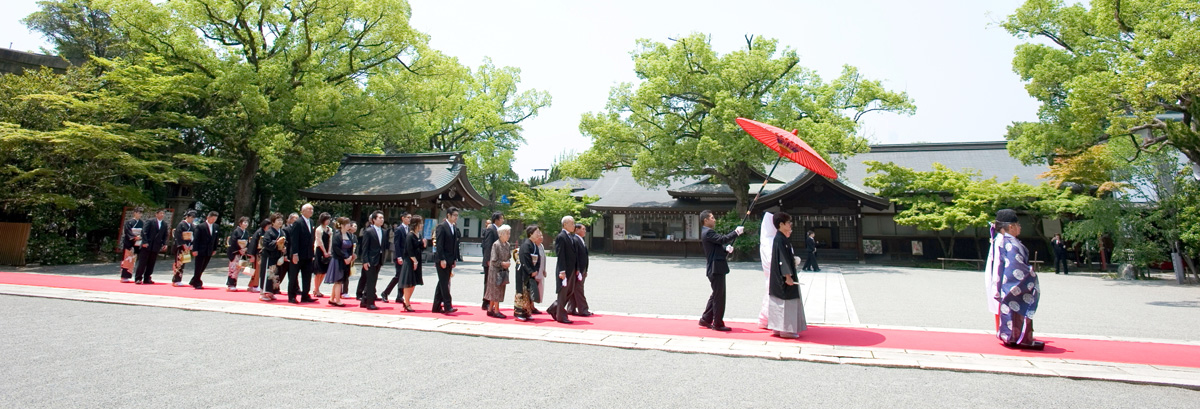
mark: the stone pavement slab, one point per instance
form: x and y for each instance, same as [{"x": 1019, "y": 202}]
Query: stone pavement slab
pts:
[{"x": 885, "y": 357}]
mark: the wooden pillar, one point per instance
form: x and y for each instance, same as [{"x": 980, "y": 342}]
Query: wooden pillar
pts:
[{"x": 356, "y": 214}]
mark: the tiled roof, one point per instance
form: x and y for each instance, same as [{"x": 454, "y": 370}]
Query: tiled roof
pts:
[{"x": 390, "y": 178}]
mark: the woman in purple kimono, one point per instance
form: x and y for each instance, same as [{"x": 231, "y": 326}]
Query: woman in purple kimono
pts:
[{"x": 1016, "y": 289}]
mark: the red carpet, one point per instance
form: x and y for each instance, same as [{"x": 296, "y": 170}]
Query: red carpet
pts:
[{"x": 1146, "y": 353}]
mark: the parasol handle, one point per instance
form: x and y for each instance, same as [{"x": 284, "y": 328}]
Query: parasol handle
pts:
[{"x": 760, "y": 190}]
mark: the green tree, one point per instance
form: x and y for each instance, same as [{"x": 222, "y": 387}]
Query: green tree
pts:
[
  {"x": 285, "y": 78},
  {"x": 546, "y": 208},
  {"x": 77, "y": 147},
  {"x": 1109, "y": 70},
  {"x": 78, "y": 29},
  {"x": 678, "y": 121},
  {"x": 942, "y": 200}
]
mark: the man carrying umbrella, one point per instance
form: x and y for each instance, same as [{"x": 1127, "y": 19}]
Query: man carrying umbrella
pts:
[{"x": 716, "y": 246}]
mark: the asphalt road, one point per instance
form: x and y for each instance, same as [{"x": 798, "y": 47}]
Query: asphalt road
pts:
[{"x": 61, "y": 353}]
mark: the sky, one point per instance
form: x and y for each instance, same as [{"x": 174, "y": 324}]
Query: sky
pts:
[{"x": 950, "y": 56}]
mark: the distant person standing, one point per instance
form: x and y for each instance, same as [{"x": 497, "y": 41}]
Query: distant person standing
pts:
[
  {"x": 399, "y": 243},
  {"x": 526, "y": 275},
  {"x": 1060, "y": 254},
  {"x": 716, "y": 247},
  {"x": 490, "y": 235},
  {"x": 154, "y": 241},
  {"x": 446, "y": 256},
  {"x": 132, "y": 232},
  {"x": 810, "y": 246}
]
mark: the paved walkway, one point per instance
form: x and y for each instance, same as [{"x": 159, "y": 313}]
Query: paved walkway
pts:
[
  {"x": 826, "y": 297},
  {"x": 907, "y": 358}
]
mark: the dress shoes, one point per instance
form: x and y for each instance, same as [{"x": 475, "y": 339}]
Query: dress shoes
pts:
[
  {"x": 436, "y": 310},
  {"x": 1036, "y": 346},
  {"x": 384, "y": 299},
  {"x": 722, "y": 328},
  {"x": 565, "y": 321},
  {"x": 451, "y": 311},
  {"x": 536, "y": 311},
  {"x": 371, "y": 307},
  {"x": 126, "y": 280},
  {"x": 705, "y": 324},
  {"x": 147, "y": 282},
  {"x": 292, "y": 301},
  {"x": 583, "y": 314},
  {"x": 485, "y": 305},
  {"x": 307, "y": 299}
]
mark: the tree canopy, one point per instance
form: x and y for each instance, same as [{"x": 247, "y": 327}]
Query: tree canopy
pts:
[
  {"x": 1111, "y": 69},
  {"x": 678, "y": 120}
]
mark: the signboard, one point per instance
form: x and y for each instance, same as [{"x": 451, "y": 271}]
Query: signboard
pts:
[
  {"x": 918, "y": 249},
  {"x": 618, "y": 227},
  {"x": 872, "y": 246},
  {"x": 693, "y": 226}
]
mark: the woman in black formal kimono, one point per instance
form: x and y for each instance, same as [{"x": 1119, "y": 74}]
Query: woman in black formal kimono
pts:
[
  {"x": 410, "y": 270},
  {"x": 238, "y": 241},
  {"x": 183, "y": 247},
  {"x": 526, "y": 278},
  {"x": 269, "y": 257},
  {"x": 785, "y": 312}
]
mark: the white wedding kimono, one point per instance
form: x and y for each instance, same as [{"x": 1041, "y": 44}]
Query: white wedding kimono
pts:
[{"x": 766, "y": 238}]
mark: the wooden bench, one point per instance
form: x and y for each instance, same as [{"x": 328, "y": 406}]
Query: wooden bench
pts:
[{"x": 978, "y": 262}]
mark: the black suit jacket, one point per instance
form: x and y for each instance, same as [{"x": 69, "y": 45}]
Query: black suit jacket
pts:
[
  {"x": 154, "y": 235},
  {"x": 566, "y": 249},
  {"x": 810, "y": 244},
  {"x": 490, "y": 235},
  {"x": 581, "y": 255},
  {"x": 300, "y": 240},
  {"x": 128, "y": 242},
  {"x": 372, "y": 246},
  {"x": 339, "y": 255},
  {"x": 399, "y": 241},
  {"x": 447, "y": 243},
  {"x": 714, "y": 250},
  {"x": 205, "y": 243}
]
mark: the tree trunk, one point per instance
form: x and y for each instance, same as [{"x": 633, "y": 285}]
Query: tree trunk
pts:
[
  {"x": 243, "y": 199},
  {"x": 953, "y": 235}
]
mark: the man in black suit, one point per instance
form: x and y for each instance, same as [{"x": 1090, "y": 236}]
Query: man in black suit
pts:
[
  {"x": 129, "y": 247},
  {"x": 567, "y": 269},
  {"x": 154, "y": 241},
  {"x": 1060, "y": 254},
  {"x": 399, "y": 233},
  {"x": 489, "y": 237},
  {"x": 810, "y": 244},
  {"x": 204, "y": 248},
  {"x": 374, "y": 240},
  {"x": 716, "y": 247},
  {"x": 578, "y": 304},
  {"x": 446, "y": 241},
  {"x": 300, "y": 253}
]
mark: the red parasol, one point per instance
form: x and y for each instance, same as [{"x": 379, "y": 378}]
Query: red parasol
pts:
[{"x": 788, "y": 145}]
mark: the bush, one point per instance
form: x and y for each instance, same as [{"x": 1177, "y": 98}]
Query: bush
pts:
[
  {"x": 746, "y": 246},
  {"x": 52, "y": 249}
]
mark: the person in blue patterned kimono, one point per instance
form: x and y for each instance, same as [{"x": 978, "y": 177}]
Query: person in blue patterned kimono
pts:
[{"x": 1016, "y": 290}]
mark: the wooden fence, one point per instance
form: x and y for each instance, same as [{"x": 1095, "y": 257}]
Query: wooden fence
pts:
[{"x": 14, "y": 238}]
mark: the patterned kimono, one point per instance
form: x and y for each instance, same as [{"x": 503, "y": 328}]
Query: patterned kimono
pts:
[{"x": 1016, "y": 291}]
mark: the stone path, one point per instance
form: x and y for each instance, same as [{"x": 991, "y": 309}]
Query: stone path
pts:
[
  {"x": 1142, "y": 374},
  {"x": 826, "y": 298}
]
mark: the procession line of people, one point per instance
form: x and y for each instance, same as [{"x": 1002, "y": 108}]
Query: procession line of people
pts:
[{"x": 308, "y": 254}]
